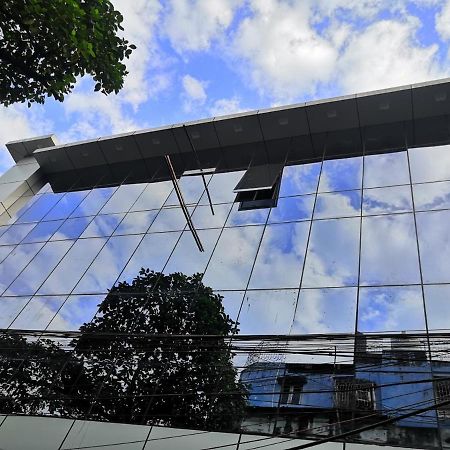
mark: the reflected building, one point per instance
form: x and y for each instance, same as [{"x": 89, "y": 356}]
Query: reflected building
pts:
[{"x": 320, "y": 233}]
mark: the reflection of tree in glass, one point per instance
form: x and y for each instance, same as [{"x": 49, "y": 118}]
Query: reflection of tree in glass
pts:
[{"x": 132, "y": 367}]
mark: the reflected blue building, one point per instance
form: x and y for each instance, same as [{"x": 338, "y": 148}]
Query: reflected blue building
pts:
[{"x": 313, "y": 223}]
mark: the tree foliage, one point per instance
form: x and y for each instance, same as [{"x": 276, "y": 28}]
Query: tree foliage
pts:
[
  {"x": 45, "y": 45},
  {"x": 140, "y": 360}
]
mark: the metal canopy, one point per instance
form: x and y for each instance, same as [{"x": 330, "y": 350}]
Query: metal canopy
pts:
[{"x": 378, "y": 121}]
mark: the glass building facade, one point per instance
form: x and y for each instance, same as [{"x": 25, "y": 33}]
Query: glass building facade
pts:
[{"x": 355, "y": 246}]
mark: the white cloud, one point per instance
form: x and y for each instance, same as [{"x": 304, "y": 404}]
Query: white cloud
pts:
[
  {"x": 443, "y": 21},
  {"x": 224, "y": 106},
  {"x": 193, "y": 24},
  {"x": 194, "y": 89}
]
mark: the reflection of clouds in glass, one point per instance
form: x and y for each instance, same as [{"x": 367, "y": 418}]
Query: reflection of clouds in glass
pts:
[
  {"x": 5, "y": 250},
  {"x": 437, "y": 301},
  {"x": 42, "y": 231},
  {"x": 93, "y": 202},
  {"x": 107, "y": 265},
  {"x": 153, "y": 197},
  {"x": 267, "y": 312},
  {"x": 325, "y": 311},
  {"x": 123, "y": 198},
  {"x": 342, "y": 204},
  {"x": 66, "y": 205},
  {"x": 10, "y": 307},
  {"x": 389, "y": 250},
  {"x": 72, "y": 228},
  {"x": 332, "y": 258},
  {"x": 102, "y": 225},
  {"x": 203, "y": 218},
  {"x": 341, "y": 174},
  {"x": 15, "y": 233},
  {"x": 231, "y": 302},
  {"x": 250, "y": 217},
  {"x": 292, "y": 209},
  {"x": 280, "y": 256},
  {"x": 432, "y": 196},
  {"x": 16, "y": 262},
  {"x": 386, "y": 200},
  {"x": 233, "y": 257},
  {"x": 186, "y": 257},
  {"x": 391, "y": 309},
  {"x": 434, "y": 242},
  {"x": 192, "y": 188},
  {"x": 430, "y": 163},
  {"x": 40, "y": 208},
  {"x": 39, "y": 269},
  {"x": 221, "y": 188},
  {"x": 386, "y": 170},
  {"x": 300, "y": 179},
  {"x": 136, "y": 222},
  {"x": 169, "y": 219}
]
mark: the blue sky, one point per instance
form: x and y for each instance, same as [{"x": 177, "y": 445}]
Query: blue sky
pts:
[{"x": 204, "y": 58}]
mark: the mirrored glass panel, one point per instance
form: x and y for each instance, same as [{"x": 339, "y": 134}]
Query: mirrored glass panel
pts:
[
  {"x": 71, "y": 268},
  {"x": 93, "y": 202},
  {"x": 387, "y": 200},
  {"x": 391, "y": 309},
  {"x": 267, "y": 312},
  {"x": 221, "y": 188},
  {"x": 232, "y": 302},
  {"x": 300, "y": 179},
  {"x": 66, "y": 205},
  {"x": 186, "y": 258},
  {"x": 431, "y": 196},
  {"x": 342, "y": 204},
  {"x": 430, "y": 163},
  {"x": 434, "y": 243},
  {"x": 136, "y": 222},
  {"x": 333, "y": 253},
  {"x": 437, "y": 301},
  {"x": 10, "y": 308},
  {"x": 169, "y": 219},
  {"x": 40, "y": 208},
  {"x": 280, "y": 256},
  {"x": 388, "y": 169},
  {"x": 191, "y": 187},
  {"x": 123, "y": 198},
  {"x": 5, "y": 250},
  {"x": 102, "y": 225},
  {"x": 233, "y": 258},
  {"x": 250, "y": 217},
  {"x": 42, "y": 231},
  {"x": 203, "y": 217},
  {"x": 389, "y": 250},
  {"x": 341, "y": 174},
  {"x": 153, "y": 197},
  {"x": 292, "y": 209},
  {"x": 31, "y": 278},
  {"x": 16, "y": 261},
  {"x": 72, "y": 228},
  {"x": 38, "y": 313},
  {"x": 325, "y": 311},
  {"x": 15, "y": 233},
  {"x": 108, "y": 264}
]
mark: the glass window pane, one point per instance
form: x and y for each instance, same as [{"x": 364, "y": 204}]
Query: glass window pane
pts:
[
  {"x": 107, "y": 266},
  {"x": 233, "y": 257},
  {"x": 152, "y": 253},
  {"x": 431, "y": 196},
  {"x": 434, "y": 242},
  {"x": 42, "y": 231},
  {"x": 341, "y": 174},
  {"x": 102, "y": 225},
  {"x": 386, "y": 170},
  {"x": 333, "y": 253},
  {"x": 153, "y": 197},
  {"x": 76, "y": 311},
  {"x": 16, "y": 262},
  {"x": 342, "y": 204},
  {"x": 221, "y": 188},
  {"x": 123, "y": 198},
  {"x": 250, "y": 217},
  {"x": 430, "y": 163},
  {"x": 387, "y": 200},
  {"x": 72, "y": 228},
  {"x": 300, "y": 179},
  {"x": 73, "y": 265},
  {"x": 169, "y": 219},
  {"x": 15, "y": 233},
  {"x": 38, "y": 313},
  {"x": 66, "y": 205},
  {"x": 10, "y": 307},
  {"x": 292, "y": 209},
  {"x": 93, "y": 202},
  {"x": 326, "y": 311},
  {"x": 280, "y": 256},
  {"x": 5, "y": 250},
  {"x": 40, "y": 208},
  {"x": 192, "y": 189},
  {"x": 136, "y": 222},
  {"x": 231, "y": 301},
  {"x": 389, "y": 250},
  {"x": 38, "y": 270},
  {"x": 390, "y": 309},
  {"x": 186, "y": 258},
  {"x": 437, "y": 301},
  {"x": 267, "y": 312},
  {"x": 203, "y": 218}
]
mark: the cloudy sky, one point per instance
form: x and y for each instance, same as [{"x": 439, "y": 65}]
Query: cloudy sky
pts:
[{"x": 201, "y": 58}]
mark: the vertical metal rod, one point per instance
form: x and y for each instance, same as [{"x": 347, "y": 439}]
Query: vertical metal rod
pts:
[
  {"x": 200, "y": 167},
  {"x": 183, "y": 204}
]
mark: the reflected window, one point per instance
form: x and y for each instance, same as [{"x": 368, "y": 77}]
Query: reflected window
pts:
[
  {"x": 387, "y": 200},
  {"x": 389, "y": 250},
  {"x": 291, "y": 390},
  {"x": 354, "y": 394},
  {"x": 442, "y": 394},
  {"x": 388, "y": 169}
]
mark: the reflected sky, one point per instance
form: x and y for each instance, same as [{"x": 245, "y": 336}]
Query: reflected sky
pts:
[{"x": 271, "y": 253}]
